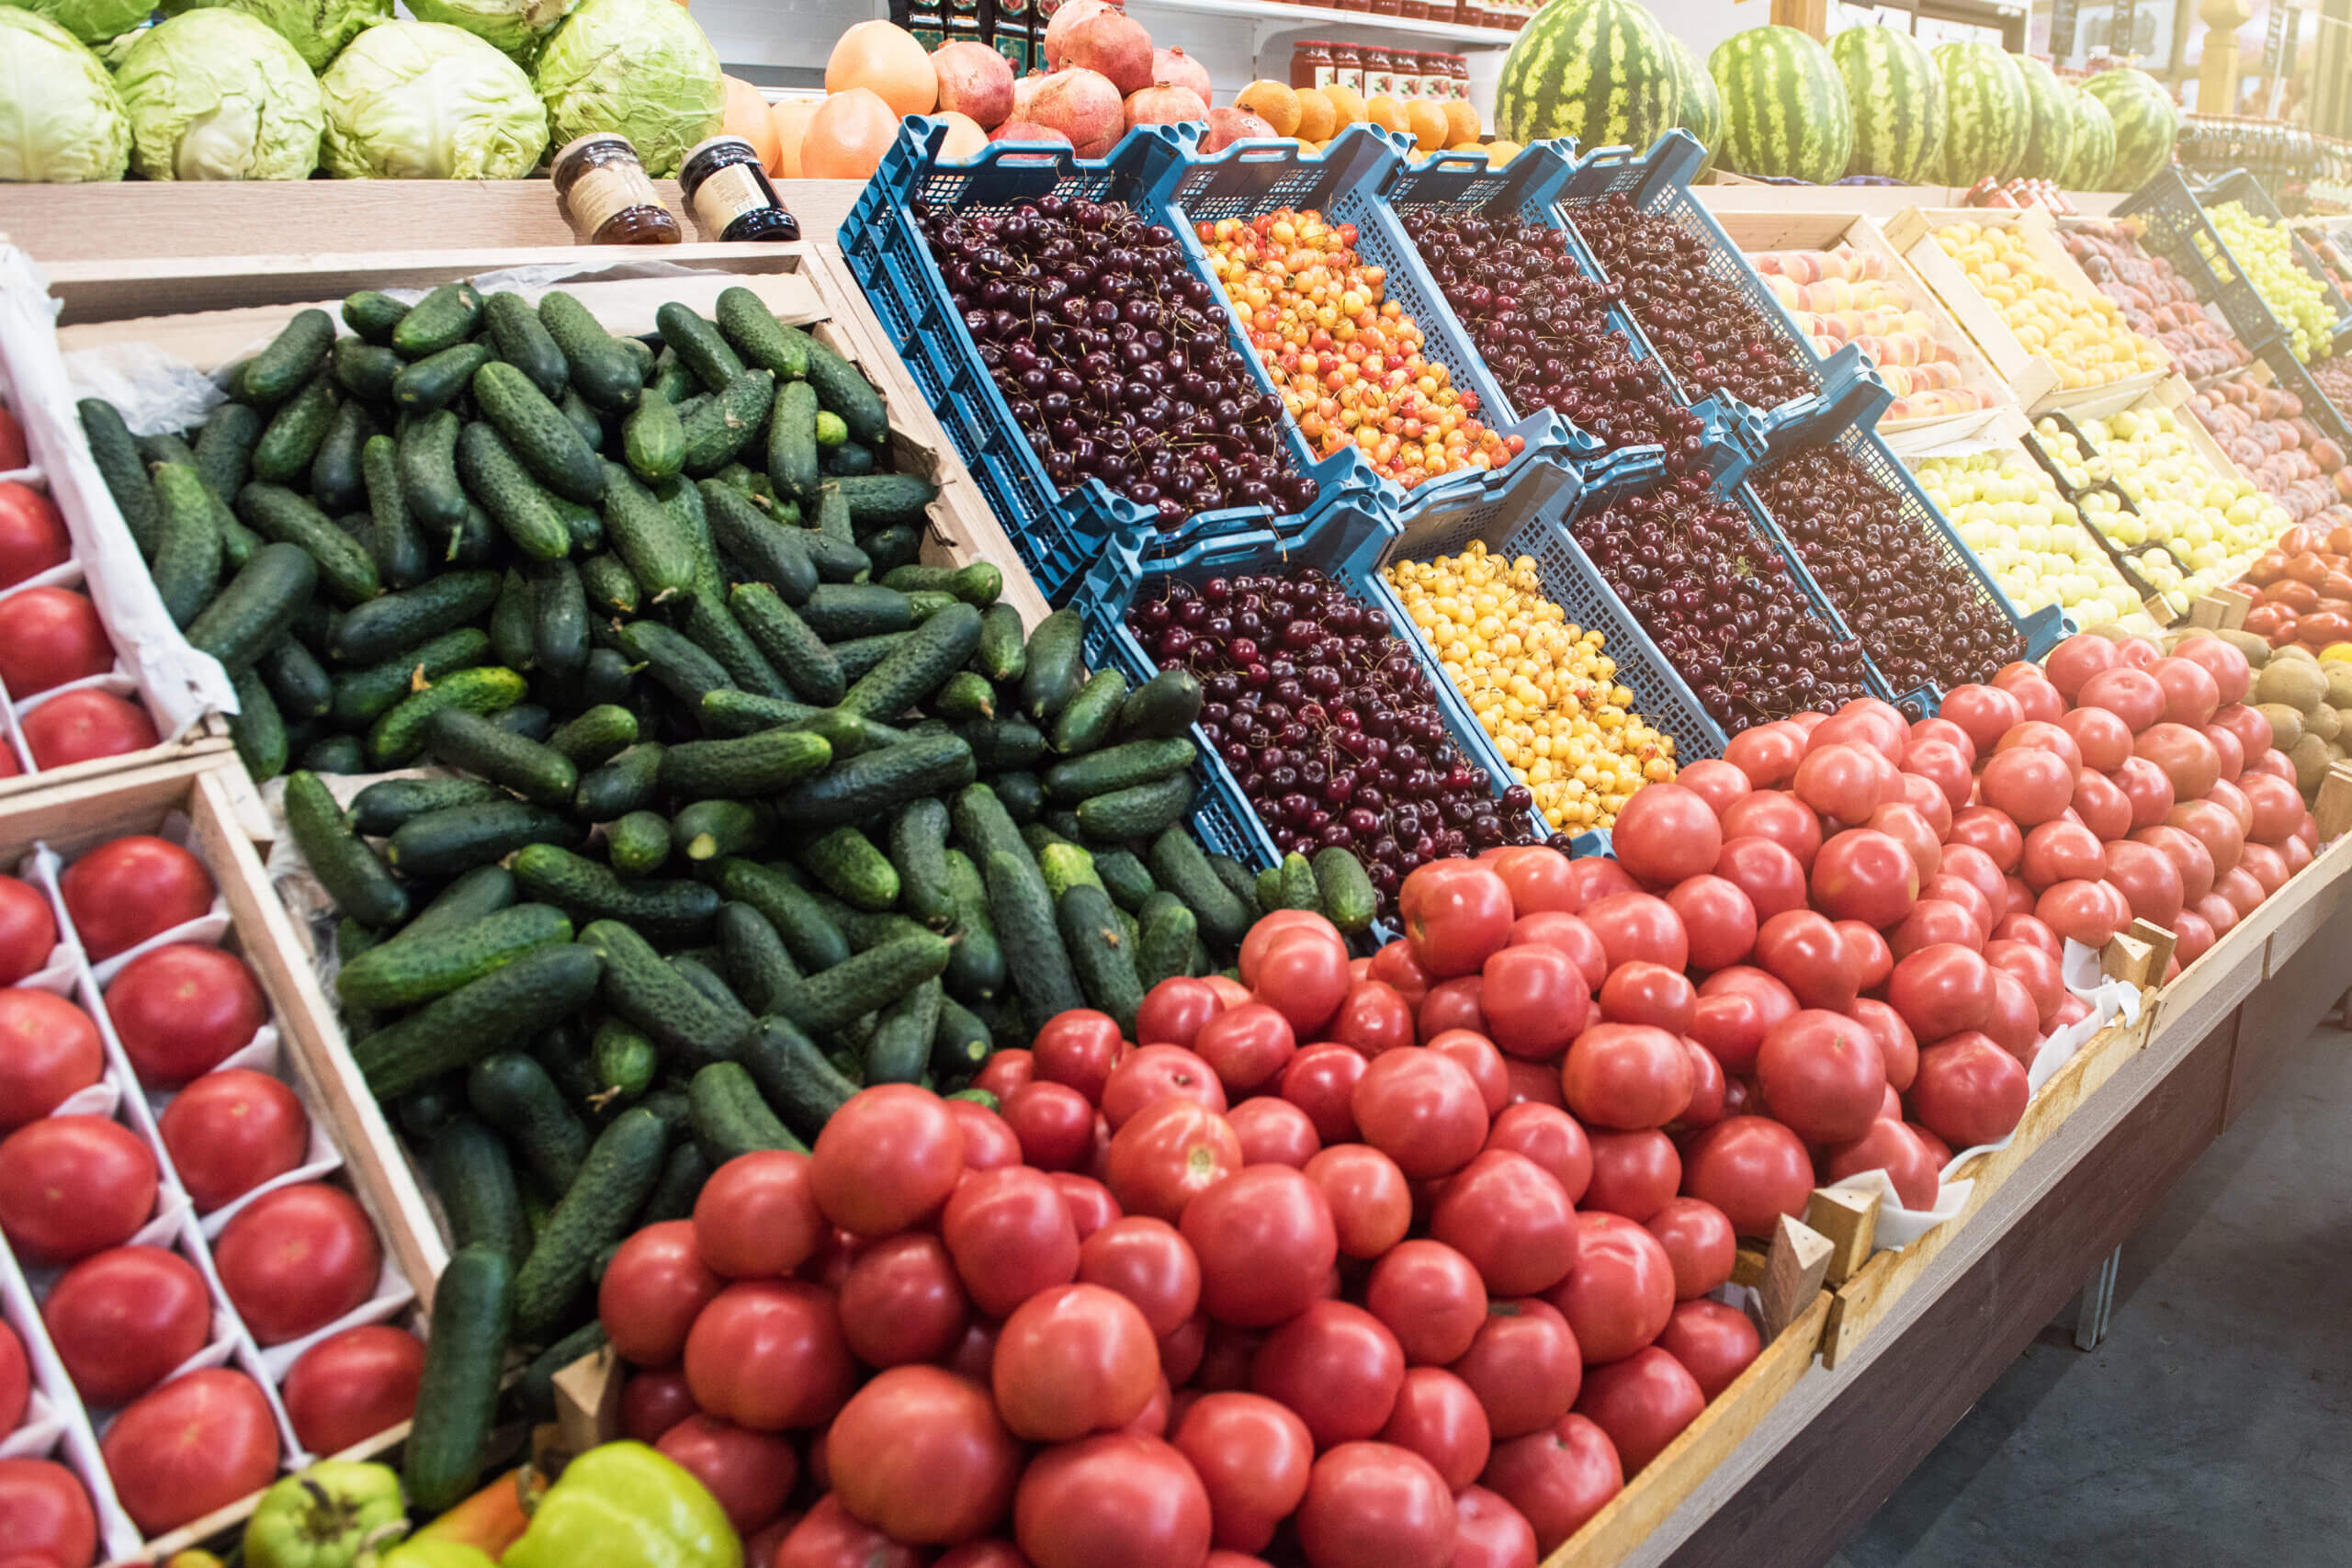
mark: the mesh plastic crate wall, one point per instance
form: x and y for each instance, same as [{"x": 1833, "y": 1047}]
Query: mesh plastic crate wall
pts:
[
  {"x": 2243, "y": 188},
  {"x": 2172, "y": 223}
]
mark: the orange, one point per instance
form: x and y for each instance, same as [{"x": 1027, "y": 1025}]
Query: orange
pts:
[
  {"x": 1427, "y": 122},
  {"x": 1462, "y": 127},
  {"x": 1384, "y": 112},
  {"x": 1272, "y": 102},
  {"x": 1502, "y": 153},
  {"x": 1316, "y": 118},
  {"x": 1346, "y": 103}
]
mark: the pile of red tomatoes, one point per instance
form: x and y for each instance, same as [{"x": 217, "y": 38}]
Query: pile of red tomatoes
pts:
[{"x": 2303, "y": 588}]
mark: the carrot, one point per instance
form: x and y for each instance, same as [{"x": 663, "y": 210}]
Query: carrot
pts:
[{"x": 492, "y": 1519}]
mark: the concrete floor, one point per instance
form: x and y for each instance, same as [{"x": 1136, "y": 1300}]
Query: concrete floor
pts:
[{"x": 2214, "y": 1426}]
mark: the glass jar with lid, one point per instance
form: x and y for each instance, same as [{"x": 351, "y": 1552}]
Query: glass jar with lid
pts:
[
  {"x": 603, "y": 192},
  {"x": 728, "y": 194}
]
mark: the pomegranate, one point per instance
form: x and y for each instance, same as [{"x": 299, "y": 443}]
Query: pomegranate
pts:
[
  {"x": 1083, "y": 106},
  {"x": 1227, "y": 126},
  {"x": 1104, "y": 39},
  {"x": 974, "y": 80},
  {"x": 1174, "y": 68},
  {"x": 1164, "y": 106}
]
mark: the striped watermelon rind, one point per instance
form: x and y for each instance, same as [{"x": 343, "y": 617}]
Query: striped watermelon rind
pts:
[
  {"x": 2146, "y": 124},
  {"x": 1897, "y": 97},
  {"x": 1700, "y": 107},
  {"x": 1785, "y": 113},
  {"x": 2050, "y": 132},
  {"x": 1596, "y": 70},
  {"x": 1987, "y": 115},
  {"x": 2094, "y": 153}
]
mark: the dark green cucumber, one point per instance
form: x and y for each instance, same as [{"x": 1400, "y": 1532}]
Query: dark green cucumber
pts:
[
  {"x": 768, "y": 552},
  {"x": 437, "y": 380},
  {"x": 793, "y": 1076},
  {"x": 790, "y": 644},
  {"x": 684, "y": 1172},
  {"x": 395, "y": 542},
  {"x": 977, "y": 585},
  {"x": 863, "y": 983},
  {"x": 652, "y": 439},
  {"x": 188, "y": 548},
  {"x": 1163, "y": 707},
  {"x": 1097, "y": 943},
  {"x": 408, "y": 973},
  {"x": 496, "y": 478},
  {"x": 757, "y": 963},
  {"x": 440, "y": 321},
  {"x": 512, "y": 1094},
  {"x": 399, "y": 626},
  {"x": 962, "y": 1044},
  {"x": 747, "y": 765},
  {"x": 523, "y": 342},
  {"x": 1344, "y": 890},
  {"x": 836, "y": 560},
  {"x": 731, "y": 1118},
  {"x": 535, "y": 1387},
  {"x": 659, "y": 552},
  {"x": 842, "y": 612},
  {"x": 457, "y": 1397},
  {"x": 792, "y": 443},
  {"x": 901, "y": 1049},
  {"x": 639, "y": 844},
  {"x": 999, "y": 744},
  {"x": 967, "y": 695},
  {"x": 473, "y": 1176},
  {"x": 1085, "y": 723},
  {"x": 919, "y": 850},
  {"x": 639, "y": 987},
  {"x": 611, "y": 589},
  {"x": 124, "y": 470},
  {"x": 559, "y": 610},
  {"x": 847, "y": 862},
  {"x": 626, "y": 1062},
  {"x": 727, "y": 711},
  {"x": 843, "y": 388},
  {"x": 258, "y": 729},
  {"x": 763, "y": 341},
  {"x": 674, "y": 661},
  {"x": 513, "y": 633},
  {"x": 603, "y": 371},
  {"x": 363, "y": 695},
  {"x": 982, "y": 825},
  {"x": 348, "y": 869},
  {"x": 630, "y": 782},
  {"x": 1182, "y": 869},
  {"x": 337, "y": 482},
  {"x": 528, "y": 720},
  {"x": 666, "y": 909},
  {"x": 729, "y": 421},
  {"x": 861, "y": 658},
  {"x": 475, "y": 896},
  {"x": 1036, "y": 960},
  {"x": 1125, "y": 878},
  {"x": 546, "y": 441},
  {"x": 399, "y": 735},
  {"x": 1056, "y": 665},
  {"x": 1119, "y": 767},
  {"x": 298, "y": 682},
  {"x": 224, "y": 447},
  {"x": 917, "y": 666},
  {"x": 810, "y": 934},
  {"x": 713, "y": 829},
  {"x": 699, "y": 345},
  {"x": 1024, "y": 796},
  {"x": 593, "y": 1213},
  {"x": 1164, "y": 947},
  {"x": 372, "y": 315},
  {"x": 379, "y": 809},
  {"x": 293, "y": 356},
  {"x": 335, "y": 754},
  {"x": 428, "y": 470},
  {"x": 455, "y": 1030},
  {"x": 832, "y": 521},
  {"x": 875, "y": 500},
  {"x": 459, "y": 838},
  {"x": 596, "y": 736},
  {"x": 283, "y": 518},
  {"x": 585, "y": 420},
  {"x": 1140, "y": 811},
  {"x": 877, "y": 782},
  {"x": 712, "y": 628},
  {"x": 364, "y": 370},
  {"x": 1003, "y": 651},
  {"x": 1241, "y": 880}
]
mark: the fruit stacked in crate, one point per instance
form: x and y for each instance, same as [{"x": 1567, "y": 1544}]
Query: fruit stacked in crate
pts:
[
  {"x": 2010, "y": 511},
  {"x": 2087, "y": 340},
  {"x": 2156, "y": 300},
  {"x": 202, "y": 1301},
  {"x": 2269, "y": 433},
  {"x": 1845, "y": 295}
]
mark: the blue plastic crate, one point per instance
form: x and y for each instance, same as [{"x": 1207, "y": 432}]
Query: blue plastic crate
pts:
[
  {"x": 1658, "y": 182},
  {"x": 1059, "y": 536},
  {"x": 2171, "y": 224},
  {"x": 2243, "y": 188},
  {"x": 1250, "y": 178}
]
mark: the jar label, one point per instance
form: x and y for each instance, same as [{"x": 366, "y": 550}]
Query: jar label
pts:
[
  {"x": 600, "y": 194},
  {"x": 726, "y": 195}
]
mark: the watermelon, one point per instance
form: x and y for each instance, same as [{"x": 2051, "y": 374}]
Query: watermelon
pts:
[
  {"x": 2094, "y": 153},
  {"x": 1596, "y": 70},
  {"x": 1897, "y": 97},
  {"x": 2146, "y": 124},
  {"x": 1702, "y": 108},
  {"x": 1784, "y": 105},
  {"x": 1987, "y": 117},
  {"x": 2050, "y": 133}
]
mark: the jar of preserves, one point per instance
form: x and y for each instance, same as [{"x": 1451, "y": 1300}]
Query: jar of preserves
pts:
[
  {"x": 1311, "y": 64},
  {"x": 1457, "y": 69},
  {"x": 1379, "y": 70},
  {"x": 728, "y": 196},
  {"x": 1347, "y": 67},
  {"x": 603, "y": 192}
]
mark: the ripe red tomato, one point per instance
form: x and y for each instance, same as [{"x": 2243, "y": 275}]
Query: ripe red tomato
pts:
[
  {"x": 1753, "y": 1169},
  {"x": 2212, "y": 826},
  {"x": 757, "y": 1215},
  {"x": 15, "y": 1380},
  {"x": 1005, "y": 1071},
  {"x": 27, "y": 930},
  {"x": 1698, "y": 1244},
  {"x": 888, "y": 1159},
  {"x": 902, "y": 1301},
  {"x": 651, "y": 1291},
  {"x": 1873, "y": 959},
  {"x": 748, "y": 1473},
  {"x": 1337, "y": 1366},
  {"x": 125, "y": 891},
  {"x": 828, "y": 1536},
  {"x": 1941, "y": 990},
  {"x": 1622, "y": 1290},
  {"x": 1969, "y": 1090},
  {"x": 1643, "y": 1403},
  {"x": 1114, "y": 1498},
  {"x": 1489, "y": 1532},
  {"x": 2078, "y": 911},
  {"x": 1321, "y": 1080},
  {"x": 124, "y": 1318},
  {"x": 1304, "y": 976},
  {"x": 82, "y": 725},
  {"x": 200, "y": 1442},
  {"x": 1373, "y": 1018},
  {"x": 1507, "y": 1215},
  {"x": 1011, "y": 1236},
  {"x": 2132, "y": 694},
  {"x": 1524, "y": 1366},
  {"x": 1396, "y": 965},
  {"x": 920, "y": 1454},
  {"x": 1371, "y": 1202},
  {"x": 2148, "y": 879},
  {"x": 1989, "y": 832},
  {"x": 2030, "y": 786},
  {"x": 1571, "y": 936},
  {"x": 1160, "y": 1072},
  {"x": 181, "y": 1008},
  {"x": 1276, "y": 927},
  {"x": 1718, "y": 917},
  {"x": 1173, "y": 1011},
  {"x": 1804, "y": 950},
  {"x": 1863, "y": 875},
  {"x": 1712, "y": 1342},
  {"x": 1265, "y": 1240},
  {"x": 51, "y": 1051},
  {"x": 1532, "y": 998},
  {"x": 1634, "y": 1174},
  {"x": 1598, "y": 877},
  {"x": 1054, "y": 1124},
  {"x": 1478, "y": 1057},
  {"x": 1422, "y": 1110},
  {"x": 2060, "y": 851},
  {"x": 1431, "y": 1298},
  {"x": 1643, "y": 992},
  {"x": 1778, "y": 816},
  {"x": 2191, "y": 694},
  {"x": 295, "y": 1258},
  {"x": 33, "y": 531},
  {"x": 1455, "y": 912},
  {"x": 1248, "y": 1046},
  {"x": 1438, "y": 1417},
  {"x": 1557, "y": 1478},
  {"x": 1943, "y": 764},
  {"x": 1898, "y": 1048},
  {"x": 1821, "y": 1074},
  {"x": 652, "y": 1403},
  {"x": 1895, "y": 1149},
  {"x": 769, "y": 1354},
  {"x": 1079, "y": 1047},
  {"x": 1550, "y": 1137},
  {"x": 1376, "y": 1503},
  {"x": 1539, "y": 880},
  {"x": 45, "y": 1515},
  {"x": 1666, "y": 833},
  {"x": 1252, "y": 1456},
  {"x": 1638, "y": 926},
  {"x": 352, "y": 1385},
  {"x": 70, "y": 1186},
  {"x": 1839, "y": 782},
  {"x": 1149, "y": 1263},
  {"x": 1767, "y": 755},
  {"x": 1452, "y": 1004},
  {"x": 48, "y": 637},
  {"x": 231, "y": 1131},
  {"x": 1626, "y": 1076},
  {"x": 1276, "y": 1132},
  {"x": 1169, "y": 1154}
]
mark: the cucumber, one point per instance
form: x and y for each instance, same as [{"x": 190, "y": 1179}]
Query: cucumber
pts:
[
  {"x": 546, "y": 441},
  {"x": 919, "y": 850},
  {"x": 674, "y": 661},
  {"x": 603, "y": 372},
  {"x": 846, "y": 861},
  {"x": 298, "y": 682},
  {"x": 790, "y": 644},
  {"x": 593, "y": 1213},
  {"x": 639, "y": 844},
  {"x": 652, "y": 994},
  {"x": 999, "y": 744},
  {"x": 496, "y": 478},
  {"x": 977, "y": 585},
  {"x": 917, "y": 666},
  {"x": 747, "y": 765},
  {"x": 756, "y": 963},
  {"x": 652, "y": 439},
  {"x": 1137, "y": 812},
  {"x": 563, "y": 1054},
  {"x": 1344, "y": 891},
  {"x": 727, "y": 711},
  {"x": 1164, "y": 945},
  {"x": 730, "y": 1119},
  {"x": 877, "y": 500},
  {"x": 729, "y": 421},
  {"x": 628, "y": 782},
  {"x": 513, "y": 623},
  {"x": 1119, "y": 767},
  {"x": 335, "y": 754},
  {"x": 611, "y": 590},
  {"x": 559, "y": 603},
  {"x": 379, "y": 809},
  {"x": 836, "y": 560},
  {"x": 474, "y": 1177},
  {"x": 1024, "y": 796},
  {"x": 394, "y": 543},
  {"x": 459, "y": 838},
  {"x": 456, "y": 1396},
  {"x": 428, "y": 472},
  {"x": 399, "y": 735},
  {"x": 1085, "y": 723},
  {"x": 475, "y": 896},
  {"x": 513, "y": 1093},
  {"x": 699, "y": 345},
  {"x": 795, "y": 1078},
  {"x": 528, "y": 720},
  {"x": 1125, "y": 878},
  {"x": 364, "y": 370},
  {"x": 409, "y": 974},
  {"x": 1036, "y": 960},
  {"x": 1089, "y": 923},
  {"x": 363, "y": 695},
  {"x": 684, "y": 1172},
  {"x": 769, "y": 553},
  {"x": 124, "y": 471},
  {"x": 901, "y": 1049},
  {"x": 188, "y": 545},
  {"x": 1063, "y": 866},
  {"x": 665, "y": 909},
  {"x": 713, "y": 829},
  {"x": 224, "y": 447},
  {"x": 833, "y": 521},
  {"x": 348, "y": 869},
  {"x": 863, "y": 983},
  {"x": 372, "y": 315},
  {"x": 403, "y": 625},
  {"x": 437, "y": 380},
  {"x": 962, "y": 1044},
  {"x": 257, "y": 728},
  {"x": 640, "y": 354},
  {"x": 861, "y": 658},
  {"x": 844, "y": 612},
  {"x": 811, "y": 936},
  {"x": 1241, "y": 880},
  {"x": 877, "y": 782},
  {"x": 1163, "y": 707},
  {"x": 657, "y": 551},
  {"x": 713, "y": 628},
  {"x": 440, "y": 321},
  {"x": 843, "y": 388},
  {"x": 292, "y": 358},
  {"x": 526, "y": 343},
  {"x": 597, "y": 735},
  {"x": 338, "y": 484},
  {"x": 1294, "y": 886},
  {"x": 967, "y": 695},
  {"x": 792, "y": 443},
  {"x": 760, "y": 338},
  {"x": 625, "y": 1063},
  {"x": 278, "y": 514},
  {"x": 1002, "y": 654},
  {"x": 1182, "y": 868},
  {"x": 453, "y": 1032},
  {"x": 535, "y": 1387},
  {"x": 1056, "y": 665}
]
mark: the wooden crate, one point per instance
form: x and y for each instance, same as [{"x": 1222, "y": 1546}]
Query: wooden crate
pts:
[
  {"x": 1795, "y": 230},
  {"x": 187, "y": 311},
  {"x": 2036, "y": 378}
]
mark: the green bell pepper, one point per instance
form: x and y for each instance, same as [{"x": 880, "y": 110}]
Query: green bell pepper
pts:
[
  {"x": 429, "y": 1553},
  {"x": 325, "y": 1517},
  {"x": 625, "y": 1505}
]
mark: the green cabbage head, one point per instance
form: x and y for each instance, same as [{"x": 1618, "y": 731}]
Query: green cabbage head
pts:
[
  {"x": 217, "y": 96},
  {"x": 516, "y": 28},
  {"x": 317, "y": 28},
  {"x": 92, "y": 21},
  {"x": 61, "y": 119},
  {"x": 639, "y": 67},
  {"x": 421, "y": 101}
]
